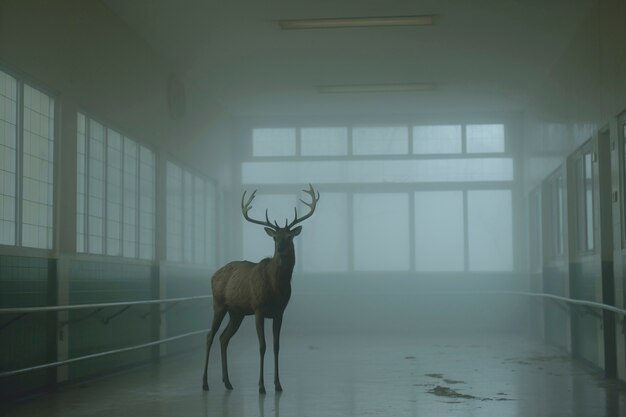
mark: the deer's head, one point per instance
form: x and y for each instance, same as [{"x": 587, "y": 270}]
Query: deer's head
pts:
[{"x": 283, "y": 236}]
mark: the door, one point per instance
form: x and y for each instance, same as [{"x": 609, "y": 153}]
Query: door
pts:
[{"x": 590, "y": 272}]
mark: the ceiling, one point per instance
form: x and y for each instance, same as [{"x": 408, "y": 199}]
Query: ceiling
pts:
[{"x": 481, "y": 55}]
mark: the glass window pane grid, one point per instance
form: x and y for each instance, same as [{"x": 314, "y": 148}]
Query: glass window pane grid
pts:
[
  {"x": 81, "y": 184},
  {"x": 130, "y": 210},
  {"x": 37, "y": 168},
  {"x": 115, "y": 183},
  {"x": 324, "y": 141},
  {"x": 8, "y": 158},
  {"x": 211, "y": 224},
  {"x": 147, "y": 203},
  {"x": 485, "y": 138},
  {"x": 190, "y": 217},
  {"x": 380, "y": 140},
  {"x": 474, "y": 166},
  {"x": 174, "y": 212},
  {"x": 114, "y": 193}
]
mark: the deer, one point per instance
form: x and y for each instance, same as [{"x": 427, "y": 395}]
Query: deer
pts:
[{"x": 262, "y": 289}]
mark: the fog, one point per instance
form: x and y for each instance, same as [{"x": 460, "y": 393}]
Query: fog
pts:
[{"x": 414, "y": 221}]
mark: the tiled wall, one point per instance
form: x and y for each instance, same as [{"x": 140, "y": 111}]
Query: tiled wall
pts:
[
  {"x": 101, "y": 282},
  {"x": 187, "y": 281},
  {"x": 25, "y": 282}
]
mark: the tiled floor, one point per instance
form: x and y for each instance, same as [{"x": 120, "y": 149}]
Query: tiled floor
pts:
[{"x": 341, "y": 375}]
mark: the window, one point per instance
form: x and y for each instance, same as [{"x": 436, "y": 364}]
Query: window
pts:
[
  {"x": 26, "y": 148},
  {"x": 431, "y": 198},
  {"x": 325, "y": 239},
  {"x": 437, "y": 139},
  {"x": 381, "y": 235},
  {"x": 324, "y": 141},
  {"x": 439, "y": 232},
  {"x": 190, "y": 217},
  {"x": 378, "y": 171},
  {"x": 115, "y": 211},
  {"x": 490, "y": 230},
  {"x": 274, "y": 142},
  {"x": 485, "y": 138},
  {"x": 380, "y": 140},
  {"x": 584, "y": 201},
  {"x": 556, "y": 214}
]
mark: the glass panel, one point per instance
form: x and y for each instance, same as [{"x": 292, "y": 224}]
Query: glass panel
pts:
[
  {"x": 81, "y": 183},
  {"x": 380, "y": 171},
  {"x": 485, "y": 138},
  {"x": 324, "y": 141},
  {"x": 581, "y": 221},
  {"x": 199, "y": 218},
  {"x": 589, "y": 201},
  {"x": 147, "y": 203},
  {"x": 8, "y": 157},
  {"x": 439, "y": 235},
  {"x": 114, "y": 193},
  {"x": 380, "y": 140},
  {"x": 188, "y": 217},
  {"x": 381, "y": 233},
  {"x": 490, "y": 230},
  {"x": 324, "y": 236},
  {"x": 38, "y": 172},
  {"x": 256, "y": 243},
  {"x": 95, "y": 200},
  {"x": 437, "y": 139},
  {"x": 174, "y": 212},
  {"x": 211, "y": 216},
  {"x": 274, "y": 142},
  {"x": 130, "y": 211}
]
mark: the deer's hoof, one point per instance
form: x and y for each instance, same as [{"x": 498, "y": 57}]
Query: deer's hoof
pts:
[
  {"x": 205, "y": 386},
  {"x": 228, "y": 385},
  {"x": 261, "y": 390},
  {"x": 279, "y": 388}
]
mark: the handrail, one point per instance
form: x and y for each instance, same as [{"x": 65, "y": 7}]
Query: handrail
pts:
[
  {"x": 97, "y": 355},
  {"x": 18, "y": 310},
  {"x": 586, "y": 303},
  {"x": 171, "y": 300},
  {"x": 44, "y": 309}
]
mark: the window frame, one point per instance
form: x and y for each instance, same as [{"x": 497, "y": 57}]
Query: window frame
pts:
[
  {"x": 511, "y": 184},
  {"x": 208, "y": 182},
  {"x": 106, "y": 127},
  {"x": 17, "y": 248}
]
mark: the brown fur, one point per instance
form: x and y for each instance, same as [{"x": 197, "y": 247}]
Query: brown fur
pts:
[{"x": 243, "y": 288}]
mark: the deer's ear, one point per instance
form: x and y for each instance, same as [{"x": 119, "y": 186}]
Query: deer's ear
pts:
[
  {"x": 296, "y": 231},
  {"x": 269, "y": 231}
]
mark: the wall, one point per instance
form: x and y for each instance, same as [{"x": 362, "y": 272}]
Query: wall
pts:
[
  {"x": 584, "y": 94},
  {"x": 90, "y": 61}
]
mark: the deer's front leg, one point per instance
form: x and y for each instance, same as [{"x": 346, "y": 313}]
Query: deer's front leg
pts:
[
  {"x": 278, "y": 321},
  {"x": 260, "y": 330}
]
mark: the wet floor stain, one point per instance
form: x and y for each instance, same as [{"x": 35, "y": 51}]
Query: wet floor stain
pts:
[
  {"x": 452, "y": 381},
  {"x": 449, "y": 393}
]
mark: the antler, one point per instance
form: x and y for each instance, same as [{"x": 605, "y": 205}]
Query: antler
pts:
[
  {"x": 311, "y": 205},
  {"x": 245, "y": 207}
]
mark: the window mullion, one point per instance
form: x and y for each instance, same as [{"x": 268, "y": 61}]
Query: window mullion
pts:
[{"x": 19, "y": 163}]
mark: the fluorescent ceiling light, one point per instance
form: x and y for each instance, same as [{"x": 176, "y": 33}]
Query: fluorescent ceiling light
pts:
[
  {"x": 374, "y": 88},
  {"x": 353, "y": 22}
]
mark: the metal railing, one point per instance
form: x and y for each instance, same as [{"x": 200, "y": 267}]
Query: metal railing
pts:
[
  {"x": 22, "y": 311},
  {"x": 31, "y": 310}
]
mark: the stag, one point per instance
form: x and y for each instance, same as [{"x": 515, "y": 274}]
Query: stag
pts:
[{"x": 243, "y": 288}]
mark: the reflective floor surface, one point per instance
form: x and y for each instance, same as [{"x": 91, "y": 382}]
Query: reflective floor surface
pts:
[{"x": 364, "y": 375}]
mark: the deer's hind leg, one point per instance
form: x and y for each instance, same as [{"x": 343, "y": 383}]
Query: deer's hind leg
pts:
[
  {"x": 233, "y": 326},
  {"x": 218, "y": 315}
]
